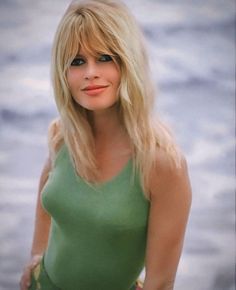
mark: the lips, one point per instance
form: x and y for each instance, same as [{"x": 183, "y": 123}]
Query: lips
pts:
[
  {"x": 94, "y": 87},
  {"x": 94, "y": 90}
]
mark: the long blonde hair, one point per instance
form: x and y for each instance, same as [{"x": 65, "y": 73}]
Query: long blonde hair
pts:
[{"x": 106, "y": 26}]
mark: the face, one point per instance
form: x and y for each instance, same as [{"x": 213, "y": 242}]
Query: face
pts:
[{"x": 94, "y": 81}]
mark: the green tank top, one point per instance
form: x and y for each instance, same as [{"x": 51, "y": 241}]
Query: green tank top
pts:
[{"x": 98, "y": 234}]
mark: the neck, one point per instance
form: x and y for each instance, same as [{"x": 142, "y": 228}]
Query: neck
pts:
[
  {"x": 106, "y": 124},
  {"x": 110, "y": 137}
]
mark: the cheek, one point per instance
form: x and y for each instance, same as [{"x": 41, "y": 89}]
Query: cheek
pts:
[
  {"x": 73, "y": 79},
  {"x": 69, "y": 77},
  {"x": 116, "y": 78}
]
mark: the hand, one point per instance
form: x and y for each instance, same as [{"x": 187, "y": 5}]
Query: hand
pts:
[
  {"x": 26, "y": 276},
  {"x": 139, "y": 285}
]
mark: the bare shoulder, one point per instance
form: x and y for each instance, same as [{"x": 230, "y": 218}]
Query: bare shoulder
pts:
[
  {"x": 167, "y": 175},
  {"x": 165, "y": 164},
  {"x": 54, "y": 127},
  {"x": 55, "y": 138}
]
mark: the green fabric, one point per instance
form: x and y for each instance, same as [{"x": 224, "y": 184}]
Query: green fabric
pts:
[
  {"x": 98, "y": 234},
  {"x": 40, "y": 279}
]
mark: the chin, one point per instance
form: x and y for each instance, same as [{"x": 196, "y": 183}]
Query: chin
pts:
[{"x": 99, "y": 107}]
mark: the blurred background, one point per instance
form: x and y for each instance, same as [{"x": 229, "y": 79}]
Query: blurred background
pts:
[{"x": 191, "y": 46}]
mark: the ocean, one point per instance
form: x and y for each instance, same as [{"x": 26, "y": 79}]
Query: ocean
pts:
[{"x": 191, "y": 45}]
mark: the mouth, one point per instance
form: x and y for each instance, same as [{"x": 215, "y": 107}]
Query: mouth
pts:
[{"x": 94, "y": 89}]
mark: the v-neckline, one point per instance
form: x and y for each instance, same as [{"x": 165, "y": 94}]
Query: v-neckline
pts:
[
  {"x": 101, "y": 184},
  {"x": 118, "y": 176}
]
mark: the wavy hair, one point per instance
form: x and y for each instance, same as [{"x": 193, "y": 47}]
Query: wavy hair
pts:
[{"x": 106, "y": 26}]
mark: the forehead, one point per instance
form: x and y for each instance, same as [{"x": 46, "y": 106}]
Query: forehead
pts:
[
  {"x": 90, "y": 48},
  {"x": 82, "y": 51},
  {"x": 86, "y": 33}
]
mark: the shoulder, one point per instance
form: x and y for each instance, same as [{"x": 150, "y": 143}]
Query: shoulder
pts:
[
  {"x": 54, "y": 127},
  {"x": 168, "y": 174},
  {"x": 55, "y": 137}
]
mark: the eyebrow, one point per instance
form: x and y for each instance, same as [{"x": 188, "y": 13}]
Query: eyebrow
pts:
[
  {"x": 81, "y": 55},
  {"x": 98, "y": 54}
]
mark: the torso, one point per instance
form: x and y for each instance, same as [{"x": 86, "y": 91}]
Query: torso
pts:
[{"x": 101, "y": 231}]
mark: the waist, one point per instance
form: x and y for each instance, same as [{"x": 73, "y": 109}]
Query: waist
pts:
[
  {"x": 41, "y": 278},
  {"x": 92, "y": 260}
]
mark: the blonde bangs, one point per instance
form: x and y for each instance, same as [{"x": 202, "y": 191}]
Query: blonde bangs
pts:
[{"x": 87, "y": 33}]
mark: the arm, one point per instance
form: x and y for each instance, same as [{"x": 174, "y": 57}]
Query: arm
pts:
[
  {"x": 42, "y": 219},
  {"x": 41, "y": 231},
  {"x": 170, "y": 194}
]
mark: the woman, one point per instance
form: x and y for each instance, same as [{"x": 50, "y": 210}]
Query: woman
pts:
[{"x": 114, "y": 194}]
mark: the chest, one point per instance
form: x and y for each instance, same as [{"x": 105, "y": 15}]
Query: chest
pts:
[{"x": 116, "y": 204}]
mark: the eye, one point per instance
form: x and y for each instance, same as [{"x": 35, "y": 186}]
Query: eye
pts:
[
  {"x": 105, "y": 58},
  {"x": 77, "y": 61}
]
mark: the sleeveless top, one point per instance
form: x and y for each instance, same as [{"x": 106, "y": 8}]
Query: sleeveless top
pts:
[{"x": 98, "y": 233}]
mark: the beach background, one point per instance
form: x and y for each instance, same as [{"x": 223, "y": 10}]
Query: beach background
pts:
[{"x": 191, "y": 46}]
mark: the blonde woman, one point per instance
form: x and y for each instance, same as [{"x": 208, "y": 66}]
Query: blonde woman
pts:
[{"x": 114, "y": 195}]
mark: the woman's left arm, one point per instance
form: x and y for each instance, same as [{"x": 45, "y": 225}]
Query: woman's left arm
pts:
[{"x": 170, "y": 194}]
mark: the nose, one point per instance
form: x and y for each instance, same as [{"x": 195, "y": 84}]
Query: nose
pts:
[{"x": 91, "y": 71}]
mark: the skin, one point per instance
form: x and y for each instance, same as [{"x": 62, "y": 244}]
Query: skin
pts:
[
  {"x": 169, "y": 188},
  {"x": 170, "y": 194},
  {"x": 41, "y": 231},
  {"x": 87, "y": 70}
]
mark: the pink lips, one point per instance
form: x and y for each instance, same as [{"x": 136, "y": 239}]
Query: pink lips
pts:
[{"x": 94, "y": 90}]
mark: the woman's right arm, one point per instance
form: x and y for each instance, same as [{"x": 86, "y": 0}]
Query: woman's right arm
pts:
[{"x": 41, "y": 231}]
